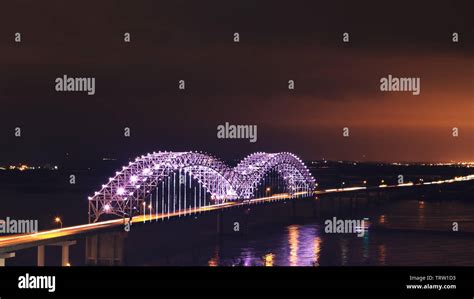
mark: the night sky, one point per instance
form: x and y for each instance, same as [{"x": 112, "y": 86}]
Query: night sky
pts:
[{"x": 336, "y": 83}]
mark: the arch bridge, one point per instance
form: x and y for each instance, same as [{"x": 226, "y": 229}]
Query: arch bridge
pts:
[{"x": 168, "y": 182}]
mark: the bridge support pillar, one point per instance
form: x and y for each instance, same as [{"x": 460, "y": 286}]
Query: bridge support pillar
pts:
[
  {"x": 106, "y": 249},
  {"x": 4, "y": 256},
  {"x": 65, "y": 255},
  {"x": 40, "y": 258},
  {"x": 65, "y": 251}
]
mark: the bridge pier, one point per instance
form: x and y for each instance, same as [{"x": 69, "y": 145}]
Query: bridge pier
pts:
[
  {"x": 4, "y": 256},
  {"x": 64, "y": 253},
  {"x": 40, "y": 257},
  {"x": 105, "y": 249}
]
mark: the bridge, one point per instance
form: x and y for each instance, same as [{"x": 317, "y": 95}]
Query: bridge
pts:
[
  {"x": 165, "y": 185},
  {"x": 176, "y": 181}
]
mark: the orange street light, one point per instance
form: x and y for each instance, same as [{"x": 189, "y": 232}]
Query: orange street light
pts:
[{"x": 58, "y": 220}]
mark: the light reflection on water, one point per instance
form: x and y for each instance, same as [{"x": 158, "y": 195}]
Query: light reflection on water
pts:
[
  {"x": 214, "y": 261},
  {"x": 269, "y": 259},
  {"x": 308, "y": 245},
  {"x": 381, "y": 253},
  {"x": 299, "y": 246},
  {"x": 407, "y": 233},
  {"x": 293, "y": 234},
  {"x": 317, "y": 250},
  {"x": 302, "y": 247},
  {"x": 421, "y": 212}
]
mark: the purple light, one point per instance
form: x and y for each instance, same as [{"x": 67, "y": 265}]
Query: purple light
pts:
[
  {"x": 215, "y": 177},
  {"x": 121, "y": 191}
]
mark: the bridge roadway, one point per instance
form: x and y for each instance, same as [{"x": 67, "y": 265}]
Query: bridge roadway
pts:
[{"x": 18, "y": 242}]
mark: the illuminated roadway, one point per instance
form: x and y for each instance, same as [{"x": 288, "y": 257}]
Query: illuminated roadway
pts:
[{"x": 18, "y": 242}]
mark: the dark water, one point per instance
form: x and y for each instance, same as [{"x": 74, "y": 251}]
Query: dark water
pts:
[
  {"x": 408, "y": 231},
  {"x": 402, "y": 233}
]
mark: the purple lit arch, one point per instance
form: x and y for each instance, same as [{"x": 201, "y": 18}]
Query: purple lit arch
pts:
[{"x": 136, "y": 181}]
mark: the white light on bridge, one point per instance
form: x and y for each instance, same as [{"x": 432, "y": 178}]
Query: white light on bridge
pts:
[{"x": 121, "y": 191}]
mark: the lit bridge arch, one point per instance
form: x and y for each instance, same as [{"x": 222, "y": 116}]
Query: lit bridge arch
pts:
[{"x": 172, "y": 178}]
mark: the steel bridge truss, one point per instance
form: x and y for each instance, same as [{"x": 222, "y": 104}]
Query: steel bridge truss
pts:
[{"x": 136, "y": 181}]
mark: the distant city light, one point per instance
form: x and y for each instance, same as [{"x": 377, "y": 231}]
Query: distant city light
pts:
[{"x": 24, "y": 167}]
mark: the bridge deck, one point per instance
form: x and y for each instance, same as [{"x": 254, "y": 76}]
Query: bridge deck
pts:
[{"x": 18, "y": 242}]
